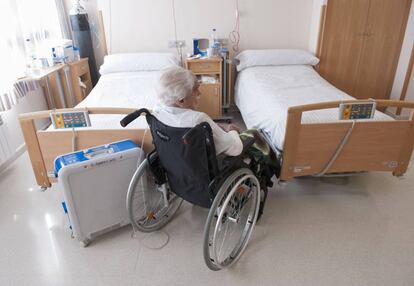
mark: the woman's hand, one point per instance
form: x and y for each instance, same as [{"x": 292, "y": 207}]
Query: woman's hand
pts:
[
  {"x": 222, "y": 126},
  {"x": 231, "y": 127}
]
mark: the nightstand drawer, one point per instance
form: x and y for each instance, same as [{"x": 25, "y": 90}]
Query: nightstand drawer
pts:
[
  {"x": 204, "y": 67},
  {"x": 81, "y": 68}
]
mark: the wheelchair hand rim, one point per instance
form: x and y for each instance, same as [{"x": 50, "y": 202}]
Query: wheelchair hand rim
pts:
[{"x": 245, "y": 236}]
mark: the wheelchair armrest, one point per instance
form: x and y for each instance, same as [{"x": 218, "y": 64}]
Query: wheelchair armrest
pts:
[{"x": 247, "y": 143}]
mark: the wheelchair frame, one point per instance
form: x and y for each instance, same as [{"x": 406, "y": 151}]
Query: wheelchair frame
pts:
[{"x": 232, "y": 190}]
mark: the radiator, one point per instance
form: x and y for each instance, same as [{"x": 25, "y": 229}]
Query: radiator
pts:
[
  {"x": 5, "y": 150},
  {"x": 11, "y": 137}
]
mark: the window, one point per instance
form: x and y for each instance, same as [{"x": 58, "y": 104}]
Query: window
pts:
[{"x": 20, "y": 20}]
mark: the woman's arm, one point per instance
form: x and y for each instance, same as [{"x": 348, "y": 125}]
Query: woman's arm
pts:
[{"x": 228, "y": 142}]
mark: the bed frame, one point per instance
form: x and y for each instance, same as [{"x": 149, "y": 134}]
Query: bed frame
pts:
[
  {"x": 44, "y": 146},
  {"x": 372, "y": 146}
]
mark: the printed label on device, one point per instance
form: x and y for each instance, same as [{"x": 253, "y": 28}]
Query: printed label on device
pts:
[
  {"x": 70, "y": 119},
  {"x": 357, "y": 110}
]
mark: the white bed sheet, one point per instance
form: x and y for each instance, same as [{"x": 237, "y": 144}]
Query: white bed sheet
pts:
[
  {"x": 127, "y": 90},
  {"x": 264, "y": 95}
]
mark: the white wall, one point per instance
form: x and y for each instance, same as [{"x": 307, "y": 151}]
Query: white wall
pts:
[
  {"x": 410, "y": 90},
  {"x": 142, "y": 25},
  {"x": 404, "y": 61},
  {"x": 315, "y": 24},
  {"x": 12, "y": 137}
]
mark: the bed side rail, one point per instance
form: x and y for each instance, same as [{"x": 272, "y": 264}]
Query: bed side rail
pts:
[{"x": 371, "y": 146}]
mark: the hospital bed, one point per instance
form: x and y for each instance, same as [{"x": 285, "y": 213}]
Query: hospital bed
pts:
[
  {"x": 279, "y": 92},
  {"x": 127, "y": 82}
]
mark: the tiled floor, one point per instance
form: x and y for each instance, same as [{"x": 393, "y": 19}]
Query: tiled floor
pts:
[{"x": 348, "y": 231}]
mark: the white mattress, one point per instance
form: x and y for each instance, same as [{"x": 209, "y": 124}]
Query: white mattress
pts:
[
  {"x": 126, "y": 89},
  {"x": 264, "y": 95}
]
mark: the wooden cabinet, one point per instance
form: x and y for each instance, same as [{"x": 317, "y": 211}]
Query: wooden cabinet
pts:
[
  {"x": 210, "y": 100},
  {"x": 361, "y": 45},
  {"x": 81, "y": 79},
  {"x": 64, "y": 85},
  {"x": 211, "y": 93}
]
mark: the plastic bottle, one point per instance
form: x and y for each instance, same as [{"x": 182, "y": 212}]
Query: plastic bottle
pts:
[
  {"x": 30, "y": 53},
  {"x": 214, "y": 45},
  {"x": 213, "y": 39},
  {"x": 76, "y": 54},
  {"x": 55, "y": 56}
]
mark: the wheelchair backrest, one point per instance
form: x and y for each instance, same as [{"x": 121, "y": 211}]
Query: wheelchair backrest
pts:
[{"x": 188, "y": 157}]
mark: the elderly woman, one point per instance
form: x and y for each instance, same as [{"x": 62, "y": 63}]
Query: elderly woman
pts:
[{"x": 179, "y": 94}]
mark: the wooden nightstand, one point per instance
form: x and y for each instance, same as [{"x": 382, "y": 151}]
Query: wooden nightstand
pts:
[
  {"x": 211, "y": 93},
  {"x": 80, "y": 70},
  {"x": 61, "y": 85}
]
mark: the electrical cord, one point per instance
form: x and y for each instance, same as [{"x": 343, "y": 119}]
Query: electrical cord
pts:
[
  {"x": 152, "y": 240},
  {"x": 110, "y": 27},
  {"x": 73, "y": 140},
  {"x": 338, "y": 151},
  {"x": 234, "y": 35},
  {"x": 179, "y": 48},
  {"x": 148, "y": 240}
]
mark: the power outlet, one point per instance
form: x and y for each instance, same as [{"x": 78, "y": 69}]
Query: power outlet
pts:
[
  {"x": 1, "y": 121},
  {"x": 176, "y": 44}
]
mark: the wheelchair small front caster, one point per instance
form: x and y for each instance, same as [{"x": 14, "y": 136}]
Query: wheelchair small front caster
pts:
[{"x": 85, "y": 242}]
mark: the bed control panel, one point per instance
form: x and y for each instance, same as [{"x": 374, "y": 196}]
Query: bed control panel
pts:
[
  {"x": 70, "y": 119},
  {"x": 357, "y": 110}
]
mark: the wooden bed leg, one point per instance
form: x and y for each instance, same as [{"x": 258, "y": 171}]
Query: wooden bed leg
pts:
[
  {"x": 35, "y": 153},
  {"x": 406, "y": 151}
]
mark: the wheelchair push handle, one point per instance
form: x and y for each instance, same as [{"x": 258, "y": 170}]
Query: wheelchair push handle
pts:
[{"x": 132, "y": 116}]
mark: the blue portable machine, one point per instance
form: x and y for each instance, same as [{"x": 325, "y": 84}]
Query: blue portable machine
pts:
[{"x": 95, "y": 183}]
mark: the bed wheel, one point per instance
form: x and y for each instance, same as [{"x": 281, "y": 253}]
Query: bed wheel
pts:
[
  {"x": 85, "y": 242},
  {"x": 42, "y": 189}
]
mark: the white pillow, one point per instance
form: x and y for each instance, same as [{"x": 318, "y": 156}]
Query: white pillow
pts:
[
  {"x": 251, "y": 58},
  {"x": 137, "y": 62}
]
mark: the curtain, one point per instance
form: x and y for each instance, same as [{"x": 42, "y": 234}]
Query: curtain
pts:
[
  {"x": 27, "y": 28},
  {"x": 63, "y": 19}
]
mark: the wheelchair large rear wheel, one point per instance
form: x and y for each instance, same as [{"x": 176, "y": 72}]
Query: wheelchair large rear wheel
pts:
[
  {"x": 150, "y": 206},
  {"x": 231, "y": 219}
]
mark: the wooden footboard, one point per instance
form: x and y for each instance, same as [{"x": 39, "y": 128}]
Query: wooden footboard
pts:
[
  {"x": 371, "y": 146},
  {"x": 44, "y": 146}
]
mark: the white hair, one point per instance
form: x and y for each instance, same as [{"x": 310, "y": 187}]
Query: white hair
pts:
[{"x": 175, "y": 84}]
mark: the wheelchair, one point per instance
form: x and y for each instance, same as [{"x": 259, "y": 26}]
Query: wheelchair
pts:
[{"x": 184, "y": 166}]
